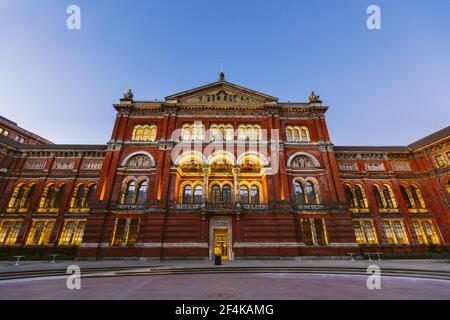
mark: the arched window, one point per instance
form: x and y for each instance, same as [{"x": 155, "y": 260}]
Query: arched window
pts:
[
  {"x": 296, "y": 134},
  {"x": 198, "y": 194},
  {"x": 255, "y": 197},
  {"x": 59, "y": 196},
  {"x": 215, "y": 194},
  {"x": 289, "y": 134},
  {"x": 299, "y": 192},
  {"x": 387, "y": 193},
  {"x": 350, "y": 197},
  {"x": 142, "y": 192},
  {"x": 22, "y": 196},
  {"x": 47, "y": 195},
  {"x": 129, "y": 192},
  {"x": 187, "y": 194},
  {"x": 406, "y": 197},
  {"x": 378, "y": 198},
  {"x": 226, "y": 194},
  {"x": 417, "y": 196},
  {"x": 359, "y": 193},
  {"x": 311, "y": 192},
  {"x": 137, "y": 133},
  {"x": 304, "y": 134},
  {"x": 243, "y": 194}
]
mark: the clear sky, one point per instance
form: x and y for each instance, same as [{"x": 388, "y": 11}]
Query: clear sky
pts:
[{"x": 384, "y": 87}]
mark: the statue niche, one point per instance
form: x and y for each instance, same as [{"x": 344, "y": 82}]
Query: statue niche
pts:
[
  {"x": 302, "y": 162},
  {"x": 139, "y": 162}
]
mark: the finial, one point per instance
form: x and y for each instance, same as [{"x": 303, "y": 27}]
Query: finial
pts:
[
  {"x": 128, "y": 95},
  {"x": 313, "y": 98},
  {"x": 222, "y": 76}
]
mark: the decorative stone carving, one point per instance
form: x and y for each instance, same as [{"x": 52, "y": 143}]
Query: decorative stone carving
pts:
[
  {"x": 139, "y": 162},
  {"x": 401, "y": 166},
  {"x": 128, "y": 95},
  {"x": 64, "y": 164},
  {"x": 32, "y": 164},
  {"x": 313, "y": 98},
  {"x": 221, "y": 96},
  {"x": 374, "y": 166},
  {"x": 302, "y": 162},
  {"x": 91, "y": 165},
  {"x": 348, "y": 166}
]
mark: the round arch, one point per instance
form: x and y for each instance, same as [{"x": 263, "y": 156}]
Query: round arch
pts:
[{"x": 313, "y": 159}]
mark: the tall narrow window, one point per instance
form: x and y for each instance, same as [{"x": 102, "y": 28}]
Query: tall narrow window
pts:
[
  {"x": 406, "y": 197},
  {"x": 198, "y": 194},
  {"x": 40, "y": 233},
  {"x": 308, "y": 237},
  {"x": 129, "y": 193},
  {"x": 142, "y": 192},
  {"x": 215, "y": 194},
  {"x": 226, "y": 194},
  {"x": 350, "y": 198},
  {"x": 360, "y": 197},
  {"x": 187, "y": 194},
  {"x": 304, "y": 135},
  {"x": 243, "y": 193},
  {"x": 255, "y": 197},
  {"x": 387, "y": 197},
  {"x": 419, "y": 203},
  {"x": 378, "y": 199},
  {"x": 311, "y": 192},
  {"x": 299, "y": 192}
]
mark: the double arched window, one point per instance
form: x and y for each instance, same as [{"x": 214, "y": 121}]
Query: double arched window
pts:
[
  {"x": 52, "y": 196},
  {"x": 412, "y": 197},
  {"x": 134, "y": 191},
  {"x": 249, "y": 194},
  {"x": 192, "y": 194},
  {"x": 221, "y": 195},
  {"x": 384, "y": 196},
  {"x": 250, "y": 132},
  {"x": 222, "y": 132},
  {"x": 144, "y": 133},
  {"x": 356, "y": 196},
  {"x": 193, "y": 132},
  {"x": 21, "y": 196},
  {"x": 306, "y": 191},
  {"x": 82, "y": 196},
  {"x": 297, "y": 134}
]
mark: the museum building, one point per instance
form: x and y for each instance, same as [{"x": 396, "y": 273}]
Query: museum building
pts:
[{"x": 221, "y": 166}]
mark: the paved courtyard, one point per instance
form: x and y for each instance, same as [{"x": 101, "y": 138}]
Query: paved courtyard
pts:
[{"x": 279, "y": 286}]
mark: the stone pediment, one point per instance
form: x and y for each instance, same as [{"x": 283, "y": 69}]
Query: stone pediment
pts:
[{"x": 221, "y": 92}]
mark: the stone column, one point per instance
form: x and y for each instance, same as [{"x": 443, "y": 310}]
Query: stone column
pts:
[
  {"x": 236, "y": 184},
  {"x": 205, "y": 184}
]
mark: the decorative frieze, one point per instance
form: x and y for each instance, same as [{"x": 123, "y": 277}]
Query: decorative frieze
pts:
[
  {"x": 401, "y": 166},
  {"x": 33, "y": 164},
  {"x": 348, "y": 166},
  {"x": 373, "y": 166},
  {"x": 64, "y": 164},
  {"x": 92, "y": 164}
]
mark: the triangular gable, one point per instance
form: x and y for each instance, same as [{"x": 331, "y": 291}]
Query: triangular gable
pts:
[{"x": 221, "y": 92}]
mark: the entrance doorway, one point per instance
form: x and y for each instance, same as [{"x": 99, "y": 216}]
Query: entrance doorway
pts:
[
  {"x": 220, "y": 237},
  {"x": 221, "y": 242}
]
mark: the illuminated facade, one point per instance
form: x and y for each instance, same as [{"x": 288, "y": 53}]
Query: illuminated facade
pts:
[{"x": 223, "y": 166}]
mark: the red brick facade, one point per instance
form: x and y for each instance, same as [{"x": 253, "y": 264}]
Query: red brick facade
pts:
[{"x": 272, "y": 184}]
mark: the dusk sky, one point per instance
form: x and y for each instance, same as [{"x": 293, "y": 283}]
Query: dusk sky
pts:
[{"x": 384, "y": 87}]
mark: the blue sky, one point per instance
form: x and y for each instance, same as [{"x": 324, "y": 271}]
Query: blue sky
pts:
[{"x": 384, "y": 87}]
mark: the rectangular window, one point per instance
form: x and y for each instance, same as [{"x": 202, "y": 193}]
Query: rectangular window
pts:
[
  {"x": 9, "y": 230},
  {"x": 359, "y": 233},
  {"x": 126, "y": 232},
  {"x": 40, "y": 233},
  {"x": 72, "y": 233},
  {"x": 425, "y": 232},
  {"x": 365, "y": 232},
  {"x": 440, "y": 161},
  {"x": 395, "y": 232},
  {"x": 314, "y": 232}
]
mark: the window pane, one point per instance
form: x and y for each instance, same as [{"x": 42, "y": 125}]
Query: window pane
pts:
[
  {"x": 198, "y": 194},
  {"x": 244, "y": 195},
  {"x": 227, "y": 194}
]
